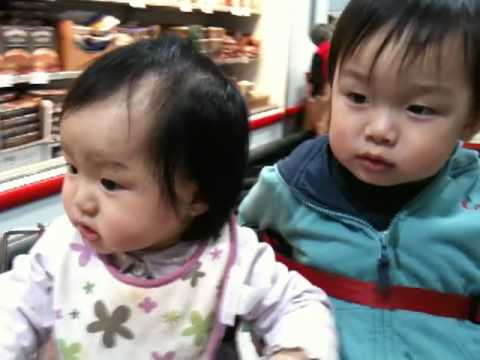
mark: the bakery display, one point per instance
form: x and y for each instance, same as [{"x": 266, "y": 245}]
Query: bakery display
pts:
[{"x": 41, "y": 52}]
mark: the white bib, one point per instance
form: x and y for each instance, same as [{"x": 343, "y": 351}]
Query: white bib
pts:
[{"x": 102, "y": 314}]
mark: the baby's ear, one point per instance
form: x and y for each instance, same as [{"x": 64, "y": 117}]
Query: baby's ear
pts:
[
  {"x": 198, "y": 205},
  {"x": 193, "y": 201},
  {"x": 471, "y": 128}
]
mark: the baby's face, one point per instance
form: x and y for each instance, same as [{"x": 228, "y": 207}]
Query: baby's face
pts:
[
  {"x": 402, "y": 125},
  {"x": 109, "y": 192}
]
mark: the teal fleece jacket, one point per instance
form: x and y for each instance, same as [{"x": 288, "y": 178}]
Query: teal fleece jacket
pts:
[{"x": 432, "y": 243}]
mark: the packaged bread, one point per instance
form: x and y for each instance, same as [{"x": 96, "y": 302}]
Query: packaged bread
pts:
[
  {"x": 19, "y": 107},
  {"x": 45, "y": 56},
  {"x": 16, "y": 50},
  {"x": 139, "y": 33},
  {"x": 19, "y": 130},
  {"x": 16, "y": 121},
  {"x": 181, "y": 31},
  {"x": 80, "y": 45},
  {"x": 245, "y": 87},
  {"x": 216, "y": 32},
  {"x": 257, "y": 99},
  {"x": 20, "y": 139},
  {"x": 7, "y": 96}
]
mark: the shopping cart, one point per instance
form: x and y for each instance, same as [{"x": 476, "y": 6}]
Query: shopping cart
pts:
[{"x": 16, "y": 242}]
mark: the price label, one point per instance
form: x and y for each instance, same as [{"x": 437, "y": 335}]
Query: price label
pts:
[
  {"x": 6, "y": 80},
  {"x": 236, "y": 10},
  {"x": 207, "y": 9},
  {"x": 246, "y": 11},
  {"x": 140, "y": 4},
  {"x": 185, "y": 5},
  {"x": 206, "y": 6},
  {"x": 20, "y": 157},
  {"x": 39, "y": 78}
]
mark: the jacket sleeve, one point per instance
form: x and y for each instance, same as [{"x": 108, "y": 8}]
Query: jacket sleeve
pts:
[
  {"x": 268, "y": 205},
  {"x": 26, "y": 314},
  {"x": 282, "y": 307}
]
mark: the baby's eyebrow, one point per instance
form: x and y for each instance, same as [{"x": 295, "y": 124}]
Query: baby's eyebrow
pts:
[
  {"x": 106, "y": 162},
  {"x": 113, "y": 164},
  {"x": 355, "y": 74},
  {"x": 423, "y": 86},
  {"x": 433, "y": 88}
]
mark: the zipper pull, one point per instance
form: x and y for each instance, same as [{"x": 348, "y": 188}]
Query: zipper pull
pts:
[{"x": 383, "y": 271}]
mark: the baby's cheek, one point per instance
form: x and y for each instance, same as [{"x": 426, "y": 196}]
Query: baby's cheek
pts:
[{"x": 67, "y": 197}]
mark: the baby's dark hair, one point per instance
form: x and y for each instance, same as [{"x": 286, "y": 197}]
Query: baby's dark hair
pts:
[
  {"x": 421, "y": 23},
  {"x": 199, "y": 120},
  {"x": 320, "y": 32}
]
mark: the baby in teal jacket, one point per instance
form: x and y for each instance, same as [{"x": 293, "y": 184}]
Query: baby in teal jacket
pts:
[{"x": 384, "y": 213}]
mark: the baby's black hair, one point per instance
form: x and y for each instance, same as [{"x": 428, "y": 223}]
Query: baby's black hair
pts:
[
  {"x": 199, "y": 120},
  {"x": 421, "y": 23}
]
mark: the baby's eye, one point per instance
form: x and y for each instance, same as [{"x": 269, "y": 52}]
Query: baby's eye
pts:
[
  {"x": 357, "y": 98},
  {"x": 421, "y": 110},
  {"x": 72, "y": 169},
  {"x": 109, "y": 185}
]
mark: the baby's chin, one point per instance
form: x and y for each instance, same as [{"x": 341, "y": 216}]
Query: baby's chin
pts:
[
  {"x": 381, "y": 181},
  {"x": 388, "y": 181}
]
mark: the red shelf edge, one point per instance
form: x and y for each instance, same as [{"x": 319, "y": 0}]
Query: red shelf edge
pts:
[
  {"x": 271, "y": 119},
  {"x": 472, "y": 146},
  {"x": 267, "y": 120},
  {"x": 27, "y": 193},
  {"x": 294, "y": 110}
]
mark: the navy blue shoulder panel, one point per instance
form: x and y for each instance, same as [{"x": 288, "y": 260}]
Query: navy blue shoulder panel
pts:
[
  {"x": 306, "y": 172},
  {"x": 309, "y": 153}
]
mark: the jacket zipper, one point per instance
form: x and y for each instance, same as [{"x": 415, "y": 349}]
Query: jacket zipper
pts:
[
  {"x": 383, "y": 262},
  {"x": 383, "y": 266}
]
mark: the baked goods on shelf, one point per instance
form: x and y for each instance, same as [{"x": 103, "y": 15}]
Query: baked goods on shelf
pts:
[{"x": 20, "y": 122}]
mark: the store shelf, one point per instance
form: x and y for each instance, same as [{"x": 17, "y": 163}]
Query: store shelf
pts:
[
  {"x": 18, "y": 160},
  {"x": 7, "y": 81},
  {"x": 32, "y": 182},
  {"x": 25, "y": 175},
  {"x": 167, "y": 5},
  {"x": 185, "y": 7},
  {"x": 39, "y": 78},
  {"x": 31, "y": 191},
  {"x": 265, "y": 118},
  {"x": 39, "y": 180}
]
